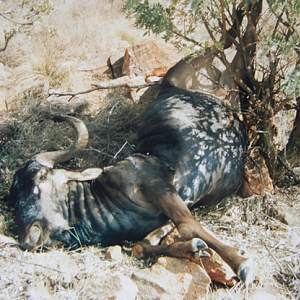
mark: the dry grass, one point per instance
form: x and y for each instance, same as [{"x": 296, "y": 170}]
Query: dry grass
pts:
[
  {"x": 243, "y": 223},
  {"x": 275, "y": 247},
  {"x": 72, "y": 32},
  {"x": 80, "y": 30}
]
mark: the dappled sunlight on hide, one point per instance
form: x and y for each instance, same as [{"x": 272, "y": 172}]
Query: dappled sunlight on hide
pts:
[{"x": 189, "y": 131}]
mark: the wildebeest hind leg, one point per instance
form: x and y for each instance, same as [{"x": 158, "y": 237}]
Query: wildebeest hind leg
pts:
[{"x": 164, "y": 196}]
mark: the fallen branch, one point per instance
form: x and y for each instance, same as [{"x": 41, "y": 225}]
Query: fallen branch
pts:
[
  {"x": 98, "y": 151},
  {"x": 102, "y": 87}
]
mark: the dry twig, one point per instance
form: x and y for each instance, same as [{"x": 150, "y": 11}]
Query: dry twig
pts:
[{"x": 102, "y": 87}]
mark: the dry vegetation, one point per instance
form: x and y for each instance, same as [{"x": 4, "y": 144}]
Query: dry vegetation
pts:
[{"x": 79, "y": 30}]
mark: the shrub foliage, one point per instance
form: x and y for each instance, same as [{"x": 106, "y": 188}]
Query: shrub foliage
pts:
[{"x": 266, "y": 34}]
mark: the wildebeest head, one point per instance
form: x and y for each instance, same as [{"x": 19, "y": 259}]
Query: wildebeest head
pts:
[{"x": 39, "y": 192}]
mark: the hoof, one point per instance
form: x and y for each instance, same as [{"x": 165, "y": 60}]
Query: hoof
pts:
[
  {"x": 245, "y": 271},
  {"x": 138, "y": 251},
  {"x": 199, "y": 247}
]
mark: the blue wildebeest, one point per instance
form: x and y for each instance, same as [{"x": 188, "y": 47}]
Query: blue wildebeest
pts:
[{"x": 185, "y": 156}]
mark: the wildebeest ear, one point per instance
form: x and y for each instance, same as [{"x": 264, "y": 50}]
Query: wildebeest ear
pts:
[{"x": 87, "y": 174}]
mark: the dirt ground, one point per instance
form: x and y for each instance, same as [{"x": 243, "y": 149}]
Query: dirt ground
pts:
[
  {"x": 249, "y": 224},
  {"x": 252, "y": 224},
  {"x": 244, "y": 223}
]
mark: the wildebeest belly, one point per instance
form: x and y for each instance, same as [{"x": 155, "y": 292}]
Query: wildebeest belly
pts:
[
  {"x": 117, "y": 208},
  {"x": 189, "y": 131}
]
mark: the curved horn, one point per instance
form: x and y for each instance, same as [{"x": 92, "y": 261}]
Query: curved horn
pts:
[{"x": 49, "y": 159}]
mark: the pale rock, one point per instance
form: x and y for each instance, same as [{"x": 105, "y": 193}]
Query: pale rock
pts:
[
  {"x": 288, "y": 217},
  {"x": 64, "y": 263},
  {"x": 266, "y": 296},
  {"x": 137, "y": 81},
  {"x": 172, "y": 278},
  {"x": 98, "y": 64},
  {"x": 2, "y": 39},
  {"x": 121, "y": 81},
  {"x": 137, "y": 93},
  {"x": 114, "y": 253},
  {"x": 39, "y": 291},
  {"x": 6, "y": 240},
  {"x": 153, "y": 79},
  {"x": 110, "y": 287},
  {"x": 149, "y": 59}
]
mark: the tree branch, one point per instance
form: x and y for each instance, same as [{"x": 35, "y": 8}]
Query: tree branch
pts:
[
  {"x": 102, "y": 87},
  {"x": 186, "y": 38}
]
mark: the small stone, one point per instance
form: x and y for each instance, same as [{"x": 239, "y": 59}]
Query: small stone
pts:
[
  {"x": 114, "y": 253},
  {"x": 6, "y": 240},
  {"x": 38, "y": 291},
  {"x": 137, "y": 93},
  {"x": 286, "y": 213},
  {"x": 153, "y": 79},
  {"x": 172, "y": 278}
]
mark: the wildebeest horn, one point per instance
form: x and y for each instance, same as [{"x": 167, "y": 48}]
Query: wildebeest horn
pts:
[{"x": 49, "y": 159}]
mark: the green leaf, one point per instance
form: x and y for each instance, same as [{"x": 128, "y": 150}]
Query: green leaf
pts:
[{"x": 291, "y": 84}]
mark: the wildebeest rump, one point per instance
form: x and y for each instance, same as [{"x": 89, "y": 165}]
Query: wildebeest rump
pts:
[{"x": 185, "y": 156}]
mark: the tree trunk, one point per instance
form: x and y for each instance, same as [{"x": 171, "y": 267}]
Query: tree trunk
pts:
[
  {"x": 289, "y": 158},
  {"x": 265, "y": 129}
]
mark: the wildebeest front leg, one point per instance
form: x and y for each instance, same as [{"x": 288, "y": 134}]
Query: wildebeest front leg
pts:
[
  {"x": 183, "y": 249},
  {"x": 164, "y": 196}
]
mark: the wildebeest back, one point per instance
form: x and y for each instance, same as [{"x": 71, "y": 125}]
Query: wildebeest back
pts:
[{"x": 190, "y": 132}]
